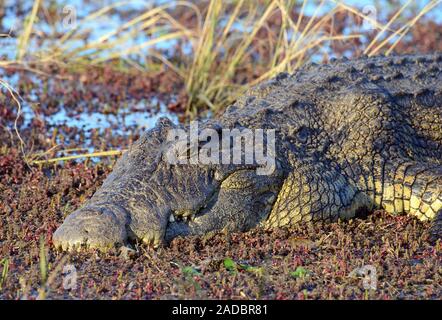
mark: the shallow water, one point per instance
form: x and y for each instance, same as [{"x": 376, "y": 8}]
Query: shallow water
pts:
[{"x": 123, "y": 119}]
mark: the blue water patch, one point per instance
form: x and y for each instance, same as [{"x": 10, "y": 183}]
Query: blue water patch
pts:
[{"x": 121, "y": 120}]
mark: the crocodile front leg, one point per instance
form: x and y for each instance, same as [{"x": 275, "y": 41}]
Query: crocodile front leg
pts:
[{"x": 317, "y": 191}]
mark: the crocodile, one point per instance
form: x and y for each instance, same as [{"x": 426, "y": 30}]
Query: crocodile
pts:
[{"x": 351, "y": 136}]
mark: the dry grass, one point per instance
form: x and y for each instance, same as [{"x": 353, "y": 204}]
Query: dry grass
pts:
[
  {"x": 26, "y": 34},
  {"x": 80, "y": 156},
  {"x": 223, "y": 40},
  {"x": 16, "y": 99}
]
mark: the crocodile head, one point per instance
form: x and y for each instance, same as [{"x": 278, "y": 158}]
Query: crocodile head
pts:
[{"x": 150, "y": 199}]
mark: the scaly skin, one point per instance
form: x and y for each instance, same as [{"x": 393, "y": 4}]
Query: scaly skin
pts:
[{"x": 351, "y": 136}]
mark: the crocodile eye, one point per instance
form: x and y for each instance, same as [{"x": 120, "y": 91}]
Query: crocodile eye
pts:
[{"x": 303, "y": 134}]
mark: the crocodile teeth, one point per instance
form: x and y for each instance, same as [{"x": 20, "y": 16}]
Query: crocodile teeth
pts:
[
  {"x": 180, "y": 217},
  {"x": 189, "y": 218},
  {"x": 271, "y": 199}
]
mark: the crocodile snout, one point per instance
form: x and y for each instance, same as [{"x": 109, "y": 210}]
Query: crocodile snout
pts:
[{"x": 93, "y": 227}]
